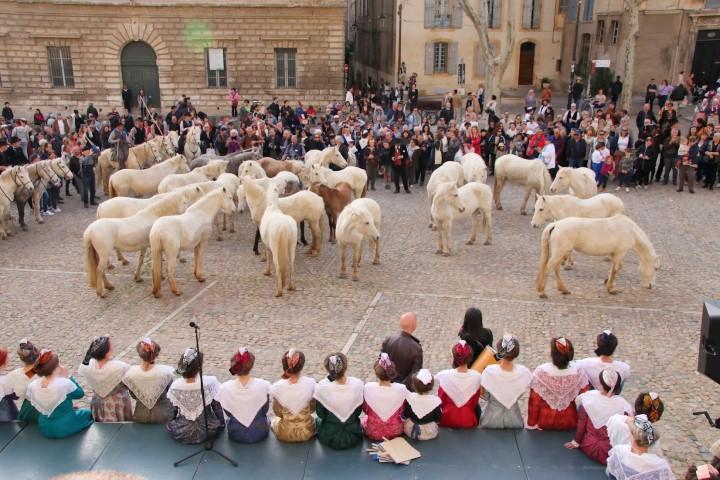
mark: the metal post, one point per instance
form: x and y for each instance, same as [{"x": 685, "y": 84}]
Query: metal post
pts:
[
  {"x": 399, "y": 62},
  {"x": 574, "y": 55}
]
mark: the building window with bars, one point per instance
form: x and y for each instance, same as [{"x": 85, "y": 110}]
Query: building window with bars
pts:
[
  {"x": 440, "y": 58},
  {"x": 442, "y": 13},
  {"x": 60, "y": 65},
  {"x": 493, "y": 13},
  {"x": 216, "y": 67},
  {"x": 531, "y": 14},
  {"x": 600, "y": 35},
  {"x": 285, "y": 67},
  {"x": 614, "y": 32}
]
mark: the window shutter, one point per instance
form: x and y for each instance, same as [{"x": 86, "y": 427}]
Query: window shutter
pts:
[
  {"x": 527, "y": 13},
  {"x": 536, "y": 14},
  {"x": 452, "y": 57},
  {"x": 429, "y": 54},
  {"x": 457, "y": 15},
  {"x": 480, "y": 69},
  {"x": 497, "y": 12},
  {"x": 429, "y": 13}
]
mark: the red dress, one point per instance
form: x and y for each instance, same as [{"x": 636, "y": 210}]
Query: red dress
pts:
[
  {"x": 552, "y": 397},
  {"x": 466, "y": 416},
  {"x": 594, "y": 442},
  {"x": 376, "y": 429},
  {"x": 594, "y": 412}
]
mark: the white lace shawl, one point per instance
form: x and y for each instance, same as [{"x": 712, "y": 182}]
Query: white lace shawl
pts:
[
  {"x": 293, "y": 396},
  {"x": 506, "y": 387},
  {"x": 423, "y": 404},
  {"x": 592, "y": 366},
  {"x": 244, "y": 401},
  {"x": 459, "y": 386},
  {"x": 18, "y": 381},
  {"x": 47, "y": 399},
  {"x": 340, "y": 400},
  {"x": 619, "y": 433},
  {"x": 187, "y": 397},
  {"x": 623, "y": 464},
  {"x": 600, "y": 408},
  {"x": 385, "y": 401},
  {"x": 5, "y": 387},
  {"x": 148, "y": 386},
  {"x": 103, "y": 380},
  {"x": 558, "y": 387}
]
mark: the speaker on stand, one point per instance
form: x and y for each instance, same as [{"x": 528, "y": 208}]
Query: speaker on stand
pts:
[{"x": 709, "y": 354}]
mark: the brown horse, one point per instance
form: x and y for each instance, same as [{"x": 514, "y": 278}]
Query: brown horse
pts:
[
  {"x": 272, "y": 167},
  {"x": 335, "y": 198}
]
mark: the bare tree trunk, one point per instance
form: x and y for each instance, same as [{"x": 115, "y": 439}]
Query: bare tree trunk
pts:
[
  {"x": 633, "y": 9},
  {"x": 495, "y": 65}
]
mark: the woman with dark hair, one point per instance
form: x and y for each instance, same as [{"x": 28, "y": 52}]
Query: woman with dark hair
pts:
[
  {"x": 504, "y": 383},
  {"x": 111, "y": 399},
  {"x": 148, "y": 383},
  {"x": 246, "y": 400},
  {"x": 475, "y": 335},
  {"x": 607, "y": 342},
  {"x": 339, "y": 404},
  {"x": 459, "y": 390},
  {"x": 423, "y": 409},
  {"x": 594, "y": 411},
  {"x": 8, "y": 409},
  {"x": 384, "y": 402},
  {"x": 554, "y": 387},
  {"x": 293, "y": 403},
  {"x": 52, "y": 394},
  {"x": 20, "y": 378},
  {"x": 188, "y": 425},
  {"x": 634, "y": 460},
  {"x": 646, "y": 403}
]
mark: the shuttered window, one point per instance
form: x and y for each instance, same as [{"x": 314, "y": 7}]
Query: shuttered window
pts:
[
  {"x": 614, "y": 32},
  {"x": 494, "y": 11},
  {"x": 440, "y": 58},
  {"x": 600, "y": 36},
  {"x": 588, "y": 9},
  {"x": 531, "y": 14},
  {"x": 216, "y": 77},
  {"x": 443, "y": 14},
  {"x": 285, "y": 66},
  {"x": 60, "y": 65}
]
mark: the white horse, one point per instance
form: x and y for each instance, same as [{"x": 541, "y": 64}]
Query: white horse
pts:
[
  {"x": 211, "y": 171},
  {"x": 354, "y": 176},
  {"x": 556, "y": 207},
  {"x": 325, "y": 157},
  {"x": 450, "y": 202},
  {"x": 612, "y": 236},
  {"x": 279, "y": 235},
  {"x": 42, "y": 176},
  {"x": 532, "y": 174},
  {"x": 189, "y": 230},
  {"x": 232, "y": 183},
  {"x": 284, "y": 181},
  {"x": 129, "y": 234},
  {"x": 474, "y": 168},
  {"x": 579, "y": 181},
  {"x": 145, "y": 182},
  {"x": 357, "y": 222},
  {"x": 447, "y": 172},
  {"x": 301, "y": 206},
  {"x": 192, "y": 143},
  {"x": 11, "y": 180},
  {"x": 251, "y": 168}
]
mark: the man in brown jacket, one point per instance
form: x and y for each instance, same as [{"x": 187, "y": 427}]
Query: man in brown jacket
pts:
[{"x": 405, "y": 350}]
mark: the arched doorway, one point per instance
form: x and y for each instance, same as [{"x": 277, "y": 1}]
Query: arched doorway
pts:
[
  {"x": 139, "y": 71},
  {"x": 527, "y": 64}
]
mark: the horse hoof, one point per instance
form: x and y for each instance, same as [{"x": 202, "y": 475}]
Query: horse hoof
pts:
[
  {"x": 278, "y": 294},
  {"x": 182, "y": 260},
  {"x": 139, "y": 280},
  {"x": 111, "y": 266},
  {"x": 267, "y": 274},
  {"x": 24, "y": 228},
  {"x": 446, "y": 254},
  {"x": 486, "y": 242},
  {"x": 333, "y": 241},
  {"x": 543, "y": 295},
  {"x": 523, "y": 212},
  {"x": 110, "y": 287},
  {"x": 376, "y": 262},
  {"x": 291, "y": 288},
  {"x": 498, "y": 207},
  {"x": 219, "y": 239},
  {"x": 565, "y": 292},
  {"x": 200, "y": 279},
  {"x": 438, "y": 252},
  {"x": 470, "y": 242},
  {"x": 342, "y": 275},
  {"x": 125, "y": 263},
  {"x": 256, "y": 252},
  {"x": 570, "y": 267},
  {"x": 355, "y": 278},
  {"x": 41, "y": 221},
  {"x": 614, "y": 291},
  {"x": 177, "y": 292},
  {"x": 157, "y": 294}
]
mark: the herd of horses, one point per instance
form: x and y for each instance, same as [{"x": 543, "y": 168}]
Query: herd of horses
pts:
[{"x": 170, "y": 203}]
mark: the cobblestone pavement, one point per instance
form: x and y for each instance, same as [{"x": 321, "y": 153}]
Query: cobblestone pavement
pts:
[{"x": 45, "y": 297}]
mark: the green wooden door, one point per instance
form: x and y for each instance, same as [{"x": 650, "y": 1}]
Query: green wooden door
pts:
[{"x": 139, "y": 71}]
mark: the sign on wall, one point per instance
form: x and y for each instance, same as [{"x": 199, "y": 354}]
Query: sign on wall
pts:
[{"x": 215, "y": 59}]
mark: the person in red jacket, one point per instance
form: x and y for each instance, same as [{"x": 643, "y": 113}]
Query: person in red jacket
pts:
[{"x": 459, "y": 390}]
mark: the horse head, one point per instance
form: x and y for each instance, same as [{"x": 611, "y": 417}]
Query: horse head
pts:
[
  {"x": 181, "y": 163},
  {"x": 63, "y": 171},
  {"x": 448, "y": 193},
  {"x": 47, "y": 175},
  {"x": 364, "y": 224},
  {"x": 20, "y": 176},
  {"x": 240, "y": 194},
  {"x": 251, "y": 168},
  {"x": 336, "y": 158},
  {"x": 317, "y": 174},
  {"x": 542, "y": 211},
  {"x": 228, "y": 204},
  {"x": 562, "y": 180},
  {"x": 649, "y": 265}
]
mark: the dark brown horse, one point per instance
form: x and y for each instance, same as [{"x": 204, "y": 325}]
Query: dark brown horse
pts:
[{"x": 335, "y": 200}]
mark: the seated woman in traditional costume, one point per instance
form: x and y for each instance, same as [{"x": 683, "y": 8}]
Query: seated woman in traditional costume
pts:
[
  {"x": 633, "y": 461},
  {"x": 111, "y": 399},
  {"x": 607, "y": 343},
  {"x": 553, "y": 390},
  {"x": 148, "y": 383},
  {"x": 245, "y": 400},
  {"x": 503, "y": 384},
  {"x": 20, "y": 378},
  {"x": 384, "y": 402},
  {"x": 8, "y": 409},
  {"x": 459, "y": 390},
  {"x": 52, "y": 395},
  {"x": 594, "y": 410},
  {"x": 473, "y": 332},
  {"x": 646, "y": 403},
  {"x": 293, "y": 402},
  {"x": 188, "y": 425},
  {"x": 422, "y": 408},
  {"x": 339, "y": 404}
]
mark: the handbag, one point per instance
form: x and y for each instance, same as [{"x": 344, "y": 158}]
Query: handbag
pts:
[
  {"x": 486, "y": 357},
  {"x": 438, "y": 156}
]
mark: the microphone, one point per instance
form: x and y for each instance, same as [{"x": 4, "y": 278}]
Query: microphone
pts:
[{"x": 194, "y": 325}]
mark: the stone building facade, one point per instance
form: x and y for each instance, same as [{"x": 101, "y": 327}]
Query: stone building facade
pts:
[{"x": 61, "y": 54}]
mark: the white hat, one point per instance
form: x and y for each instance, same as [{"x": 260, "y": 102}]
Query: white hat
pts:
[{"x": 233, "y": 132}]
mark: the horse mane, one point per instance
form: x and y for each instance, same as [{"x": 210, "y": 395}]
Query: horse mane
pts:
[
  {"x": 166, "y": 205},
  {"x": 205, "y": 199},
  {"x": 642, "y": 242}
]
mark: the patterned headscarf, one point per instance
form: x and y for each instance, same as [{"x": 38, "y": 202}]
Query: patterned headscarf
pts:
[
  {"x": 610, "y": 377},
  {"x": 646, "y": 427},
  {"x": 335, "y": 366},
  {"x": 293, "y": 357},
  {"x": 653, "y": 406},
  {"x": 188, "y": 358},
  {"x": 98, "y": 344},
  {"x": 507, "y": 345}
]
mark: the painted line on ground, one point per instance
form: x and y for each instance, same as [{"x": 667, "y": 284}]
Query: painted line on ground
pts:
[
  {"x": 162, "y": 322},
  {"x": 358, "y": 328},
  {"x": 39, "y": 270}
]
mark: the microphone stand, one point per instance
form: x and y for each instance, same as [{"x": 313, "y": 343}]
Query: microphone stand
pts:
[{"x": 208, "y": 444}]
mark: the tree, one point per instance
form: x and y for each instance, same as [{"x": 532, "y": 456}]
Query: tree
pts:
[
  {"x": 633, "y": 26},
  {"x": 495, "y": 65}
]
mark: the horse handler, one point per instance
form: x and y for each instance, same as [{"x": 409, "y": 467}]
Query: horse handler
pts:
[{"x": 87, "y": 168}]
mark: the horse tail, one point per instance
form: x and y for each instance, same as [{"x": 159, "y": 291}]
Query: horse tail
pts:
[
  {"x": 98, "y": 179},
  {"x": 285, "y": 254},
  {"x": 92, "y": 259},
  {"x": 156, "y": 252},
  {"x": 364, "y": 191},
  {"x": 111, "y": 189},
  {"x": 544, "y": 251}
]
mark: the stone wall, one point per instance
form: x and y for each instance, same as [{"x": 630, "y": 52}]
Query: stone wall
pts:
[{"x": 97, "y": 32}]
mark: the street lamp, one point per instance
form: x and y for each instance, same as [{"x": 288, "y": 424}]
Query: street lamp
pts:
[{"x": 574, "y": 55}]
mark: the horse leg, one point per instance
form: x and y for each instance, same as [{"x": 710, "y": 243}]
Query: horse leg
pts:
[
  {"x": 141, "y": 259},
  {"x": 37, "y": 198},
  {"x": 568, "y": 261},
  {"x": 487, "y": 226},
  {"x": 121, "y": 258},
  {"x": 279, "y": 280},
  {"x": 376, "y": 260},
  {"x": 216, "y": 224},
  {"x": 331, "y": 224},
  {"x": 102, "y": 280},
  {"x": 199, "y": 250},
  {"x": 559, "y": 281},
  {"x": 545, "y": 270},
  {"x": 256, "y": 250},
  {"x": 172, "y": 257},
  {"x": 21, "y": 212},
  {"x": 448, "y": 238},
  {"x": 614, "y": 270},
  {"x": 473, "y": 229},
  {"x": 524, "y": 204},
  {"x": 439, "y": 237},
  {"x": 357, "y": 252},
  {"x": 268, "y": 259},
  {"x": 499, "y": 183},
  {"x": 316, "y": 231},
  {"x": 343, "y": 270}
]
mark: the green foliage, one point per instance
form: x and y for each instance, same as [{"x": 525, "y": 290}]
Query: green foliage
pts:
[{"x": 602, "y": 78}]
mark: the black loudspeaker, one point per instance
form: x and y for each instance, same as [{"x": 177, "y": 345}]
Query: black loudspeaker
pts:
[{"x": 709, "y": 356}]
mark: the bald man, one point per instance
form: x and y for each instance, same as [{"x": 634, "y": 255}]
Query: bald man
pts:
[{"x": 404, "y": 349}]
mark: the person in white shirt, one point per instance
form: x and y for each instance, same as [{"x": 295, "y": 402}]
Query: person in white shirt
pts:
[{"x": 634, "y": 461}]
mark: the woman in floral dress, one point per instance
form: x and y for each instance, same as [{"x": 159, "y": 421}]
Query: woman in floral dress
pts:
[
  {"x": 148, "y": 384},
  {"x": 384, "y": 402},
  {"x": 111, "y": 399}
]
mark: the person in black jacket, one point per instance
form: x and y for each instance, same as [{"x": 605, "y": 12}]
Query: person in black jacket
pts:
[
  {"x": 473, "y": 332},
  {"x": 576, "y": 150},
  {"x": 646, "y": 155},
  {"x": 126, "y": 95},
  {"x": 645, "y": 114},
  {"x": 399, "y": 159},
  {"x": 14, "y": 154}
]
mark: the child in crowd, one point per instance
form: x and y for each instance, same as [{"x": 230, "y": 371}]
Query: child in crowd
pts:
[
  {"x": 422, "y": 409},
  {"x": 293, "y": 403},
  {"x": 626, "y": 170},
  {"x": 384, "y": 402},
  {"x": 148, "y": 383}
]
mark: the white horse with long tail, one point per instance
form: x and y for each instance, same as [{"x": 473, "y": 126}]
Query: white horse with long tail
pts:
[
  {"x": 580, "y": 182},
  {"x": 474, "y": 167},
  {"x": 450, "y": 203},
  {"x": 354, "y": 176},
  {"x": 357, "y": 222},
  {"x": 532, "y": 174},
  {"x": 600, "y": 237},
  {"x": 325, "y": 157},
  {"x": 189, "y": 230},
  {"x": 145, "y": 182},
  {"x": 279, "y": 235}
]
